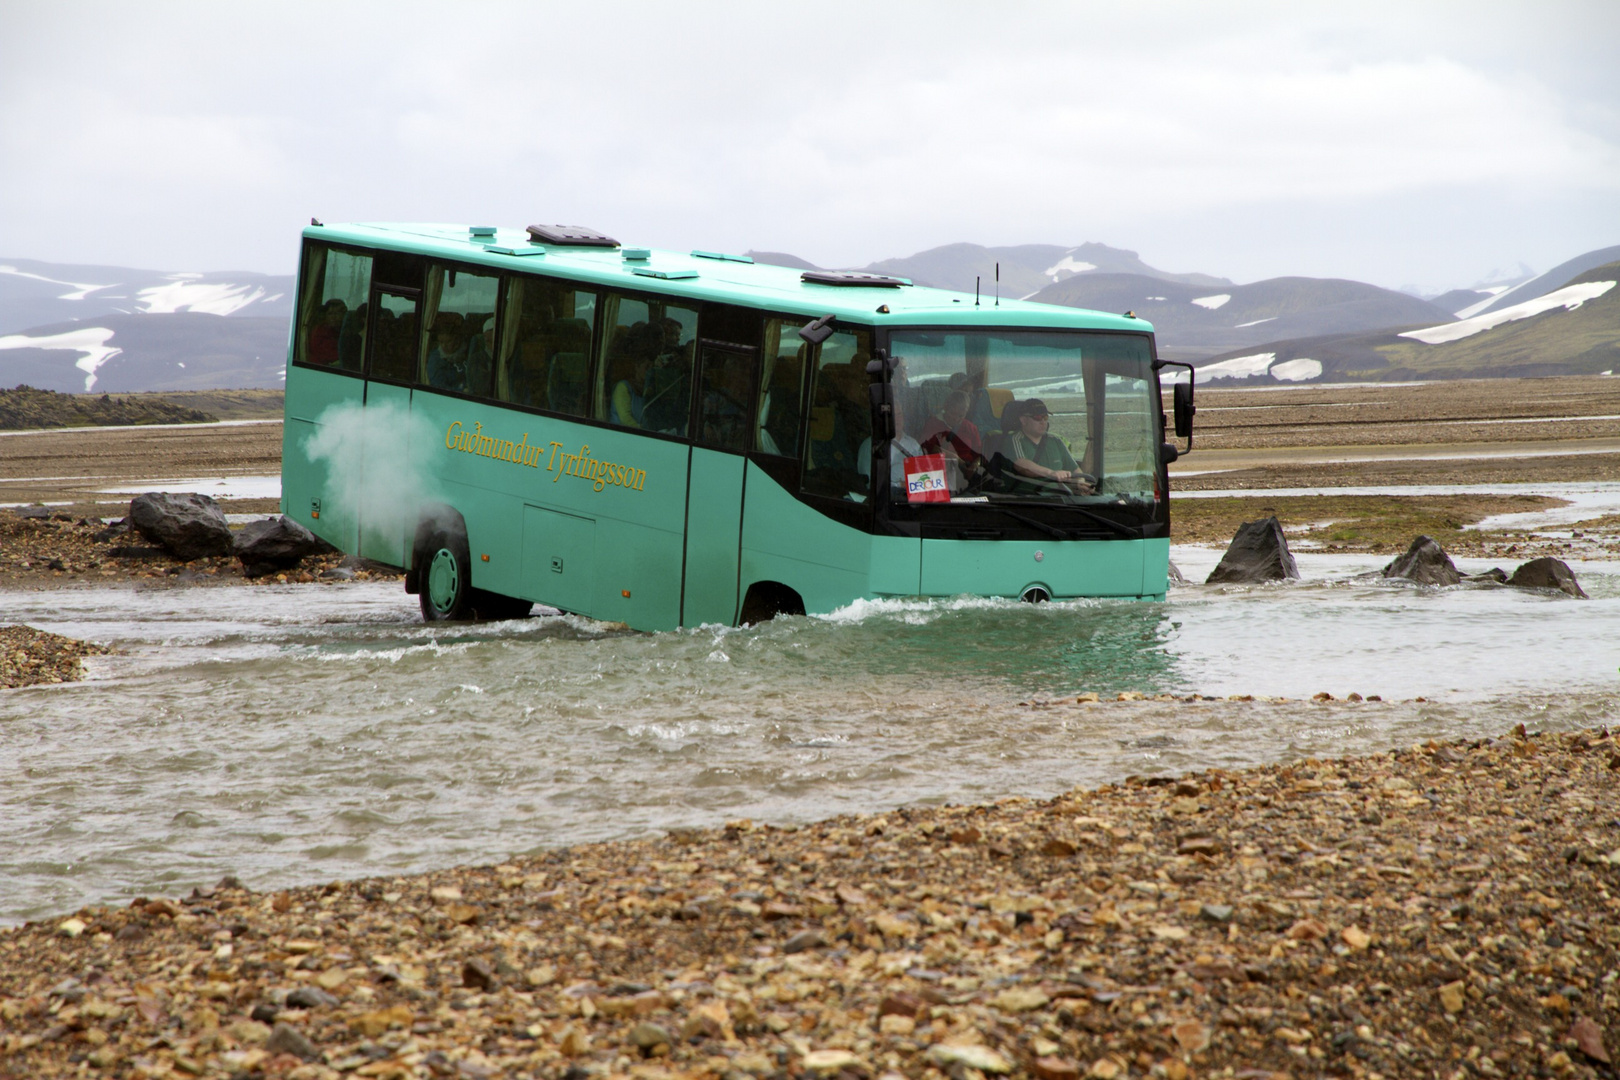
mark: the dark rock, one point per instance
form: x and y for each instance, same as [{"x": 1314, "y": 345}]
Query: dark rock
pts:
[
  {"x": 187, "y": 525},
  {"x": 1176, "y": 576},
  {"x": 1257, "y": 553},
  {"x": 112, "y": 532},
  {"x": 310, "y": 997},
  {"x": 285, "y": 1039},
  {"x": 1426, "y": 563},
  {"x": 264, "y": 1014},
  {"x": 36, "y": 513},
  {"x": 337, "y": 573},
  {"x": 1495, "y": 573},
  {"x": 478, "y": 975},
  {"x": 804, "y": 939},
  {"x": 1546, "y": 574},
  {"x": 277, "y": 543}
]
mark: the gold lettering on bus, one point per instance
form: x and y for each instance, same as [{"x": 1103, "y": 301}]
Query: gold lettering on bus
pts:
[{"x": 557, "y": 460}]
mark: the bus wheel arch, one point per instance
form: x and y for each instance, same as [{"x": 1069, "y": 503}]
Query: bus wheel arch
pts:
[
  {"x": 765, "y": 600},
  {"x": 441, "y": 565}
]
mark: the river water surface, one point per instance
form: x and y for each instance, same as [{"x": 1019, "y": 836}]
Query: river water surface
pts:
[{"x": 296, "y": 734}]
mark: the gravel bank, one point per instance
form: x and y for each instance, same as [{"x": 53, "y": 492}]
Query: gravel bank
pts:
[
  {"x": 1440, "y": 911},
  {"x": 29, "y": 657}
]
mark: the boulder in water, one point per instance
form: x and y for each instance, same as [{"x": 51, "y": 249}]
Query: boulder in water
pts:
[
  {"x": 1547, "y": 573},
  {"x": 277, "y": 543},
  {"x": 1426, "y": 563},
  {"x": 1495, "y": 573},
  {"x": 1257, "y": 553},
  {"x": 186, "y": 525}
]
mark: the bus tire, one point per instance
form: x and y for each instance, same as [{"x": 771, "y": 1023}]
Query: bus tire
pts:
[
  {"x": 768, "y": 599},
  {"x": 445, "y": 575}
]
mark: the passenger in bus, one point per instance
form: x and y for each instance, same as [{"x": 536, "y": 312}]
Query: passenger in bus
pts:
[
  {"x": 954, "y": 436},
  {"x": 352, "y": 338},
  {"x": 447, "y": 359},
  {"x": 627, "y": 406},
  {"x": 480, "y": 354},
  {"x": 901, "y": 447},
  {"x": 1039, "y": 458},
  {"x": 325, "y": 334},
  {"x": 836, "y": 415}
]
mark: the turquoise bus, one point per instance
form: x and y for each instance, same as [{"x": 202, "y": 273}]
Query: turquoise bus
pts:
[{"x": 671, "y": 439}]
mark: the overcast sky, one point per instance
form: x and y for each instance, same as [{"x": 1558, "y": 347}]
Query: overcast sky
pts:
[{"x": 1419, "y": 143}]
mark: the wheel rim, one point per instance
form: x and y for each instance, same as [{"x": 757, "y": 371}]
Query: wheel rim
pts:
[{"x": 444, "y": 580}]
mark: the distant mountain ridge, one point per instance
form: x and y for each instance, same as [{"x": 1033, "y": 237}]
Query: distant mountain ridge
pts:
[
  {"x": 1570, "y": 329},
  {"x": 1194, "y": 322},
  {"x": 1025, "y": 268}
]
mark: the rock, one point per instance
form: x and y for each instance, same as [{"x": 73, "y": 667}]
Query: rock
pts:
[
  {"x": 71, "y": 928},
  {"x": 187, "y": 526},
  {"x": 827, "y": 1062},
  {"x": 1356, "y": 938},
  {"x": 286, "y": 1039},
  {"x": 1258, "y": 552},
  {"x": 277, "y": 543},
  {"x": 478, "y": 975},
  {"x": 309, "y": 997},
  {"x": 1426, "y": 563},
  {"x": 1051, "y": 1068},
  {"x": 982, "y": 1058},
  {"x": 648, "y": 1037},
  {"x": 1495, "y": 573},
  {"x": 900, "y": 1003},
  {"x": 1546, "y": 573},
  {"x": 1216, "y": 913},
  {"x": 804, "y": 939},
  {"x": 264, "y": 1014},
  {"x": 1589, "y": 1038},
  {"x": 1019, "y": 999},
  {"x": 1451, "y": 997}
]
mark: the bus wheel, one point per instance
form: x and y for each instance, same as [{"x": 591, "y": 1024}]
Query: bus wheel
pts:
[
  {"x": 768, "y": 599},
  {"x": 446, "y": 578}
]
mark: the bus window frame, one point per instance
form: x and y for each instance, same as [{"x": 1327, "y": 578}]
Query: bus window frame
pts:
[
  {"x": 919, "y": 517},
  {"x": 299, "y": 314}
]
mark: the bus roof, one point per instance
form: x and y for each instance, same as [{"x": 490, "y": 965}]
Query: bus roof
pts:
[{"x": 723, "y": 279}]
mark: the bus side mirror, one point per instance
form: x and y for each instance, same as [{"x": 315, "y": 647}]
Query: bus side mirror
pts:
[
  {"x": 1182, "y": 396},
  {"x": 882, "y": 412}
]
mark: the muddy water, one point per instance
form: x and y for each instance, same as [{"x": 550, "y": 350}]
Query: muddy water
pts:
[{"x": 296, "y": 734}]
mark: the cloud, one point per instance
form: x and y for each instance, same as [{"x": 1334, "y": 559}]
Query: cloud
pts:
[{"x": 842, "y": 132}]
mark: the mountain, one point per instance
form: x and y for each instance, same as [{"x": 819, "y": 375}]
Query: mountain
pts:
[
  {"x": 123, "y": 353},
  {"x": 1543, "y": 284},
  {"x": 1025, "y": 268},
  {"x": 1458, "y": 299},
  {"x": 781, "y": 258},
  {"x": 36, "y": 293},
  {"x": 1570, "y": 329},
  {"x": 111, "y": 328},
  {"x": 1195, "y": 322}
]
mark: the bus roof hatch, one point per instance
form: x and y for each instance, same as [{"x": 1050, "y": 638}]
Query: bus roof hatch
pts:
[
  {"x": 570, "y": 236},
  {"x": 849, "y": 277}
]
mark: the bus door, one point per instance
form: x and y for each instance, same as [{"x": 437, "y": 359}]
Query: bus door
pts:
[
  {"x": 388, "y": 492},
  {"x": 714, "y": 492}
]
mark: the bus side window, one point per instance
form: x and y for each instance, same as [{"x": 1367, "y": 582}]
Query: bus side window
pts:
[
  {"x": 839, "y": 417},
  {"x": 393, "y": 343},
  {"x": 458, "y": 329},
  {"x": 332, "y": 308},
  {"x": 781, "y": 382},
  {"x": 545, "y": 345},
  {"x": 645, "y": 364}
]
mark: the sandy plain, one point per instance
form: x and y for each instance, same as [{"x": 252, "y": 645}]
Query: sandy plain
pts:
[{"x": 1444, "y": 910}]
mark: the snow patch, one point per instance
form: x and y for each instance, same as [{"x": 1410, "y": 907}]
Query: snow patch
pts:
[
  {"x": 1569, "y": 297},
  {"x": 1257, "y": 322},
  {"x": 1153, "y": 298},
  {"x": 80, "y": 289},
  {"x": 1068, "y": 264},
  {"x": 92, "y": 341},
  {"x": 1213, "y": 302},
  {"x": 1298, "y": 370},
  {"x": 194, "y": 296},
  {"x": 1239, "y": 367}
]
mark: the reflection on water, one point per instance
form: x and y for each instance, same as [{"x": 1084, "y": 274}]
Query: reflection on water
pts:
[{"x": 289, "y": 734}]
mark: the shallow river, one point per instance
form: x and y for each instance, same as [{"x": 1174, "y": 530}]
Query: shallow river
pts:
[{"x": 298, "y": 734}]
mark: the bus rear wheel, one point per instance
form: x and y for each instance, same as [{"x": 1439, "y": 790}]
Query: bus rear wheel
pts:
[{"x": 446, "y": 581}]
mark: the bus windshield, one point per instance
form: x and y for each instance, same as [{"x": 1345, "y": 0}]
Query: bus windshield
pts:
[{"x": 1035, "y": 416}]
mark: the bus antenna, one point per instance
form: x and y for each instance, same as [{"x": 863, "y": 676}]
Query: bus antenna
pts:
[
  {"x": 998, "y": 284},
  {"x": 975, "y": 290}
]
